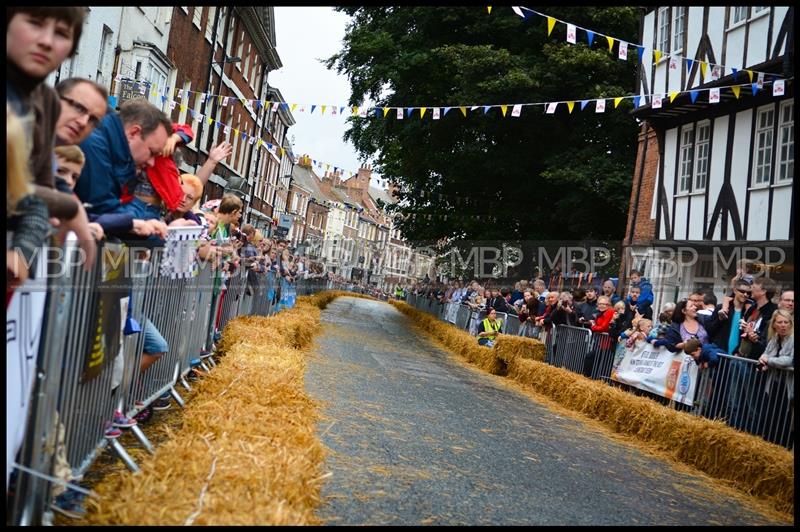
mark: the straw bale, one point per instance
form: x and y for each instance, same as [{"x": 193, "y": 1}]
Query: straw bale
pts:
[{"x": 750, "y": 464}]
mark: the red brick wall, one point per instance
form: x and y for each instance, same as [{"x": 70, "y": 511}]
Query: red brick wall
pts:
[{"x": 644, "y": 226}]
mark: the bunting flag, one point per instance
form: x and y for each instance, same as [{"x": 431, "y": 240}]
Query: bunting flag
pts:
[
  {"x": 409, "y": 110},
  {"x": 657, "y": 55},
  {"x": 656, "y": 101},
  {"x": 616, "y": 102},
  {"x": 550, "y": 23},
  {"x": 399, "y": 113},
  {"x": 518, "y": 11},
  {"x": 636, "y": 101},
  {"x": 750, "y": 75},
  {"x": 713, "y": 96},
  {"x": 735, "y": 74},
  {"x": 551, "y": 108},
  {"x": 703, "y": 67},
  {"x": 333, "y": 111},
  {"x": 570, "y": 105},
  {"x": 623, "y": 50},
  {"x": 489, "y": 9},
  {"x": 516, "y": 110},
  {"x": 323, "y": 107},
  {"x": 275, "y": 106},
  {"x": 600, "y": 107},
  {"x": 673, "y": 63},
  {"x": 584, "y": 103},
  {"x": 693, "y": 95},
  {"x": 571, "y": 33},
  {"x": 778, "y": 88},
  {"x": 610, "y": 42},
  {"x": 446, "y": 110},
  {"x": 503, "y": 109},
  {"x": 341, "y": 109},
  {"x": 312, "y": 109},
  {"x": 689, "y": 64},
  {"x": 755, "y": 88},
  {"x": 760, "y": 80},
  {"x": 486, "y": 108},
  {"x": 386, "y": 111},
  {"x": 590, "y": 37},
  {"x": 422, "y": 111},
  {"x": 355, "y": 110},
  {"x": 436, "y": 113},
  {"x": 463, "y": 111},
  {"x": 640, "y": 50},
  {"x": 672, "y": 96},
  {"x": 294, "y": 106}
]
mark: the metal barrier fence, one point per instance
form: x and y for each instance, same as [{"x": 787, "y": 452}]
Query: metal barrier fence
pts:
[
  {"x": 758, "y": 402},
  {"x": 91, "y": 354}
]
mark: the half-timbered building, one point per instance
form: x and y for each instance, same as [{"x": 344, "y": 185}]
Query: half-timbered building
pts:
[{"x": 714, "y": 180}]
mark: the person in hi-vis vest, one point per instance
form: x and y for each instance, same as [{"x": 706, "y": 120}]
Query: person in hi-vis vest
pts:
[{"x": 489, "y": 328}]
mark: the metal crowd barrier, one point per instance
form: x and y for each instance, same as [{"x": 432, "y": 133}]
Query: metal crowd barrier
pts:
[{"x": 87, "y": 372}]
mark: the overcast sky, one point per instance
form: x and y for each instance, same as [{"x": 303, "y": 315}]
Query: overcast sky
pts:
[{"x": 304, "y": 35}]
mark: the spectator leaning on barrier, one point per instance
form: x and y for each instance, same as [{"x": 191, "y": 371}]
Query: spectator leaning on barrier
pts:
[
  {"x": 754, "y": 335},
  {"x": 84, "y": 104},
  {"x": 610, "y": 291},
  {"x": 779, "y": 355},
  {"x": 38, "y": 40},
  {"x": 685, "y": 325},
  {"x": 116, "y": 152}
]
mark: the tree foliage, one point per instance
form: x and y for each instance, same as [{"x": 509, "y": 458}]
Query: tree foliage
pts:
[{"x": 536, "y": 177}]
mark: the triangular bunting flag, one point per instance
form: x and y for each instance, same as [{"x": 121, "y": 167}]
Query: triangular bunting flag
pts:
[
  {"x": 422, "y": 111},
  {"x": 294, "y": 106},
  {"x": 409, "y": 110},
  {"x": 312, "y": 109},
  {"x": 570, "y": 105},
  {"x": 750, "y": 75},
  {"x": 386, "y": 110},
  {"x": 657, "y": 55},
  {"x": 217, "y": 125},
  {"x": 210, "y": 120},
  {"x": 489, "y": 9},
  {"x": 694, "y": 95},
  {"x": 322, "y": 109},
  {"x": 183, "y": 108},
  {"x": 641, "y": 52},
  {"x": 446, "y": 110},
  {"x": 610, "y": 42},
  {"x": 636, "y": 100},
  {"x": 672, "y": 96},
  {"x": 689, "y": 63},
  {"x": 355, "y": 110},
  {"x": 735, "y": 74},
  {"x": 518, "y": 11},
  {"x": 486, "y": 108},
  {"x": 755, "y": 88},
  {"x": 703, "y": 68},
  {"x": 616, "y": 101},
  {"x": 600, "y": 107},
  {"x": 550, "y": 23},
  {"x": 341, "y": 109},
  {"x": 584, "y": 103},
  {"x": 590, "y": 37},
  {"x": 463, "y": 111},
  {"x": 503, "y": 109}
]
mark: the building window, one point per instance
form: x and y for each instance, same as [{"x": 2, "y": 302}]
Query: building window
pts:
[
  {"x": 758, "y": 9},
  {"x": 106, "y": 47},
  {"x": 678, "y": 21},
  {"x": 239, "y": 50},
  {"x": 663, "y": 29},
  {"x": 687, "y": 158},
  {"x": 739, "y": 14},
  {"x": 701, "y": 161},
  {"x": 764, "y": 124},
  {"x": 786, "y": 136},
  {"x": 210, "y": 22},
  {"x": 197, "y": 14}
]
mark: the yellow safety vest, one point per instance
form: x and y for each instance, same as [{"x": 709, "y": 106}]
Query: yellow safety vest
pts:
[{"x": 496, "y": 326}]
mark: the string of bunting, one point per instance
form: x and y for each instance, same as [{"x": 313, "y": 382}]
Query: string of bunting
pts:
[{"x": 712, "y": 71}]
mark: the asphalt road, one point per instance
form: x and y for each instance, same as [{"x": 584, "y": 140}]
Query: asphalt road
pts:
[{"x": 417, "y": 438}]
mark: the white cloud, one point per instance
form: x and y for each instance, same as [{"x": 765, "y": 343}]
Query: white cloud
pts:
[{"x": 305, "y": 35}]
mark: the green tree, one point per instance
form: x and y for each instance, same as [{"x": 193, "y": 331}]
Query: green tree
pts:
[{"x": 536, "y": 177}]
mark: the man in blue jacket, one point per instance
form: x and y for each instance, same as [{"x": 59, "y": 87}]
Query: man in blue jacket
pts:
[{"x": 117, "y": 151}]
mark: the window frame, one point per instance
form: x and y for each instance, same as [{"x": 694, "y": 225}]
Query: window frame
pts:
[
  {"x": 686, "y": 159},
  {"x": 663, "y": 41},
  {"x": 737, "y": 10},
  {"x": 763, "y": 154},
  {"x": 702, "y": 150},
  {"x": 678, "y": 16},
  {"x": 784, "y": 125}
]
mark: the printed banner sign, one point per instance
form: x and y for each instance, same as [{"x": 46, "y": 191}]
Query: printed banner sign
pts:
[
  {"x": 657, "y": 370},
  {"x": 24, "y": 316}
]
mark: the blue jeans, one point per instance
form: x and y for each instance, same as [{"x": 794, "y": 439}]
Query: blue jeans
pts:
[{"x": 154, "y": 343}]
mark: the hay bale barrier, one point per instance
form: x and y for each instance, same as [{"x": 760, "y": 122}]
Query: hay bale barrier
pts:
[
  {"x": 247, "y": 452},
  {"x": 748, "y": 463}
]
